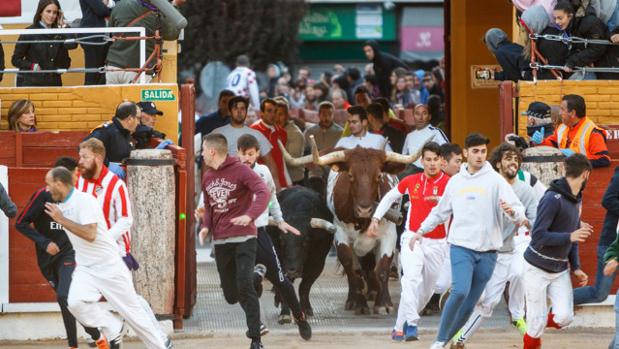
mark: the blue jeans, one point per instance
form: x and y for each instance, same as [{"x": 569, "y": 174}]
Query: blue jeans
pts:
[
  {"x": 600, "y": 290},
  {"x": 613, "y": 22},
  {"x": 470, "y": 272}
]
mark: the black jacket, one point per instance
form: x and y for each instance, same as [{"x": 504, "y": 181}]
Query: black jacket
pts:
[
  {"x": 1, "y": 60},
  {"x": 45, "y": 230},
  {"x": 384, "y": 64},
  {"x": 94, "y": 13},
  {"x": 509, "y": 56},
  {"x": 46, "y": 55},
  {"x": 558, "y": 216},
  {"x": 117, "y": 141},
  {"x": 587, "y": 27},
  {"x": 610, "y": 59},
  {"x": 555, "y": 52}
]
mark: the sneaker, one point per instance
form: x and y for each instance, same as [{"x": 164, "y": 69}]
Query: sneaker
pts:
[
  {"x": 397, "y": 336},
  {"x": 168, "y": 343},
  {"x": 521, "y": 325},
  {"x": 410, "y": 333},
  {"x": 305, "y": 330},
  {"x": 102, "y": 343},
  {"x": 456, "y": 337},
  {"x": 457, "y": 345},
  {"x": 91, "y": 342},
  {"x": 256, "y": 344},
  {"x": 116, "y": 342},
  {"x": 264, "y": 330},
  {"x": 260, "y": 269},
  {"x": 437, "y": 345}
]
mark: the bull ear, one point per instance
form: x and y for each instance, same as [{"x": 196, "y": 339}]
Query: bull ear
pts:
[{"x": 393, "y": 168}]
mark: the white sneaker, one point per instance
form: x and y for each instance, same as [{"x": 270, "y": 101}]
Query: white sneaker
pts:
[{"x": 437, "y": 345}]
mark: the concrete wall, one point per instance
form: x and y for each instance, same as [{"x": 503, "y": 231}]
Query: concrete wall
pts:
[
  {"x": 86, "y": 107},
  {"x": 600, "y": 97}
]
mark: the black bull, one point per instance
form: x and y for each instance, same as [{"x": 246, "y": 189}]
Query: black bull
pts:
[{"x": 302, "y": 256}]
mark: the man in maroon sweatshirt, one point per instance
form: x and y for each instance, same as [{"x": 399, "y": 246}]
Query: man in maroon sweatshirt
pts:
[{"x": 234, "y": 196}]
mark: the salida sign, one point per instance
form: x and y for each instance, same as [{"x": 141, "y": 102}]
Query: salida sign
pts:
[{"x": 158, "y": 95}]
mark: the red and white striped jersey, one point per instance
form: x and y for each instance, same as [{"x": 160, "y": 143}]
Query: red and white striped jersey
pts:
[{"x": 113, "y": 197}]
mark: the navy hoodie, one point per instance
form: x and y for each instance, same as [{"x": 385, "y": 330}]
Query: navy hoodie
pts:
[{"x": 558, "y": 215}]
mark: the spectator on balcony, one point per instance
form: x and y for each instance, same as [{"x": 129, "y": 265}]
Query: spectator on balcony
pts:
[
  {"x": 577, "y": 133},
  {"x": 21, "y": 116},
  {"x": 508, "y": 55},
  {"x": 296, "y": 142},
  {"x": 94, "y": 13},
  {"x": 384, "y": 64},
  {"x": 587, "y": 27},
  {"x": 42, "y": 56},
  {"x": 126, "y": 53},
  {"x": 145, "y": 131},
  {"x": 116, "y": 135}
]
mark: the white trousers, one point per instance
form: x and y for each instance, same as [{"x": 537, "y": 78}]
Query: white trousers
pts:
[
  {"x": 444, "y": 279},
  {"x": 113, "y": 282},
  {"x": 541, "y": 286},
  {"x": 420, "y": 268},
  {"x": 507, "y": 268},
  {"x": 121, "y": 77}
]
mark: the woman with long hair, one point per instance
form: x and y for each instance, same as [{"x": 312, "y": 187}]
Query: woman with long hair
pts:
[
  {"x": 21, "y": 116},
  {"x": 43, "y": 55}
]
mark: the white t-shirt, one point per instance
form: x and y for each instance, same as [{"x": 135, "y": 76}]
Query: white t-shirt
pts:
[
  {"x": 417, "y": 138},
  {"x": 233, "y": 134},
  {"x": 83, "y": 208},
  {"x": 242, "y": 81},
  {"x": 273, "y": 208},
  {"x": 369, "y": 140}
]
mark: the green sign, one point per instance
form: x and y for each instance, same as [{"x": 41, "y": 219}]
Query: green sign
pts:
[
  {"x": 158, "y": 95},
  {"x": 347, "y": 23}
]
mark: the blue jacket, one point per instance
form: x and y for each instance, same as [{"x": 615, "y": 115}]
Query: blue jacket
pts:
[
  {"x": 610, "y": 201},
  {"x": 558, "y": 215}
]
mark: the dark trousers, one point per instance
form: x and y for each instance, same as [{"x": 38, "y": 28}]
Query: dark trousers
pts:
[
  {"x": 235, "y": 264},
  {"x": 265, "y": 254},
  {"x": 94, "y": 57},
  {"x": 59, "y": 274}
]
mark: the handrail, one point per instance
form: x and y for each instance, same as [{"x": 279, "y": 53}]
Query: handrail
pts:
[{"x": 140, "y": 30}]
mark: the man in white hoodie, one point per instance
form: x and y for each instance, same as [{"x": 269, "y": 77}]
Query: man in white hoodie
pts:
[{"x": 477, "y": 198}]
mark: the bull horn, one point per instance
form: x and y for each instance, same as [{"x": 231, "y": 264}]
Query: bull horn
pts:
[
  {"x": 319, "y": 223},
  {"x": 406, "y": 159},
  {"x": 292, "y": 161},
  {"x": 327, "y": 159}
]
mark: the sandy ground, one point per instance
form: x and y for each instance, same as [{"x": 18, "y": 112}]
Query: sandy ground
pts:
[{"x": 568, "y": 339}]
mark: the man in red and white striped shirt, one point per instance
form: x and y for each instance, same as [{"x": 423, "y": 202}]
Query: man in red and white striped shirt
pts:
[
  {"x": 110, "y": 191},
  {"x": 113, "y": 197}
]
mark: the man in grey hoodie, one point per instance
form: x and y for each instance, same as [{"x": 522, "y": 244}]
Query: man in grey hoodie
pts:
[
  {"x": 477, "y": 198},
  {"x": 505, "y": 159}
]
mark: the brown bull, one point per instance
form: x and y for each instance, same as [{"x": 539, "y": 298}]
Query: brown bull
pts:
[{"x": 364, "y": 176}]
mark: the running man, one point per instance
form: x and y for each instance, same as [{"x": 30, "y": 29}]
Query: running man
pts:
[
  {"x": 113, "y": 198},
  {"x": 100, "y": 270},
  {"x": 506, "y": 161},
  {"x": 553, "y": 252},
  {"x": 477, "y": 197},
  {"x": 420, "y": 266},
  {"x": 234, "y": 197},
  {"x": 55, "y": 255},
  {"x": 266, "y": 256}
]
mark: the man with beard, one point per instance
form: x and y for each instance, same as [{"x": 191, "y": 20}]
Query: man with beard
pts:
[
  {"x": 113, "y": 198},
  {"x": 553, "y": 252},
  {"x": 238, "y": 107},
  {"x": 55, "y": 254},
  {"x": 99, "y": 269},
  {"x": 506, "y": 161}
]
